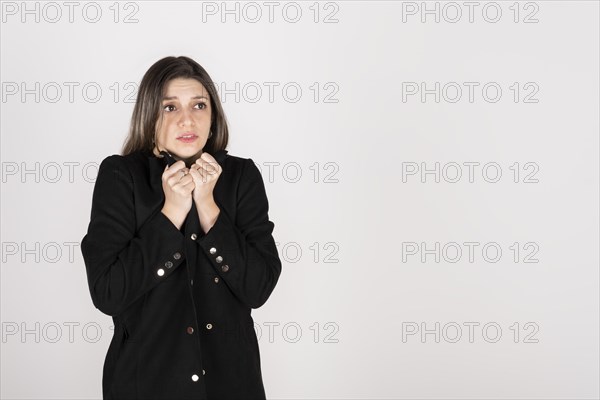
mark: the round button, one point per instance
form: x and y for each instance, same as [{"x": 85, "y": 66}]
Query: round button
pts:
[
  {"x": 177, "y": 256},
  {"x": 212, "y": 250},
  {"x": 168, "y": 264},
  {"x": 192, "y": 282},
  {"x": 190, "y": 330},
  {"x": 208, "y": 326},
  {"x": 225, "y": 268},
  {"x": 216, "y": 279},
  {"x": 219, "y": 259},
  {"x": 195, "y": 377},
  {"x": 160, "y": 272},
  {"x": 203, "y": 372},
  {"x": 194, "y": 236}
]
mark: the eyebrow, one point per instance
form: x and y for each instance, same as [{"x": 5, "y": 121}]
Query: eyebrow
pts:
[{"x": 175, "y": 97}]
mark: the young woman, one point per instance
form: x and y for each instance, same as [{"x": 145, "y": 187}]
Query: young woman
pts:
[{"x": 179, "y": 248}]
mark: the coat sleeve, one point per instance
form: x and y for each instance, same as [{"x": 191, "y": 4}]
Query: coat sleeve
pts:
[
  {"x": 122, "y": 262},
  {"x": 243, "y": 252}
]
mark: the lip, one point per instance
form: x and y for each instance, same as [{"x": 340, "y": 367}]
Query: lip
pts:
[{"x": 192, "y": 138}]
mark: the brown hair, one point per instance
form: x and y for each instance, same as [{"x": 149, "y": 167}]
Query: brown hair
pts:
[{"x": 146, "y": 112}]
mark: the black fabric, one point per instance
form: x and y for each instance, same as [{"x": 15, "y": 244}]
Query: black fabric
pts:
[{"x": 153, "y": 353}]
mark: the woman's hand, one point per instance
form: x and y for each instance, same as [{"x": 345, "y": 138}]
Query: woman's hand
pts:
[
  {"x": 178, "y": 185},
  {"x": 205, "y": 173}
]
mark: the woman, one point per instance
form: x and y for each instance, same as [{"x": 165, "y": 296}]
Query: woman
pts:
[{"x": 179, "y": 255}]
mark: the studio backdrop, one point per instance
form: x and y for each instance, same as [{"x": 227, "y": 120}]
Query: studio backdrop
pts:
[{"x": 431, "y": 169}]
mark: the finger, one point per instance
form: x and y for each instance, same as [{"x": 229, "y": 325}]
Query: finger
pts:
[
  {"x": 186, "y": 179},
  {"x": 204, "y": 174},
  {"x": 207, "y": 169},
  {"x": 194, "y": 171},
  {"x": 174, "y": 169},
  {"x": 174, "y": 179},
  {"x": 198, "y": 175},
  {"x": 207, "y": 157},
  {"x": 190, "y": 186},
  {"x": 188, "y": 182},
  {"x": 185, "y": 186},
  {"x": 208, "y": 163},
  {"x": 179, "y": 176}
]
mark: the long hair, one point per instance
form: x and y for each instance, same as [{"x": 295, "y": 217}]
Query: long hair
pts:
[{"x": 142, "y": 130}]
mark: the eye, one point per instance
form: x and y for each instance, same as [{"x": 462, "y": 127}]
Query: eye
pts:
[
  {"x": 202, "y": 105},
  {"x": 165, "y": 108}
]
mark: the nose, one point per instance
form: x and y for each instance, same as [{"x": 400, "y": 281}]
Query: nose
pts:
[{"x": 185, "y": 118}]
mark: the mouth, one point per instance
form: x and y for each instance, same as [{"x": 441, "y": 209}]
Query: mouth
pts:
[{"x": 187, "y": 137}]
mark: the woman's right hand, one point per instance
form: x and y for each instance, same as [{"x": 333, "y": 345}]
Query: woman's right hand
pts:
[{"x": 178, "y": 190}]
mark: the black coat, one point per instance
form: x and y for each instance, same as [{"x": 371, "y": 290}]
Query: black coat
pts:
[{"x": 180, "y": 300}]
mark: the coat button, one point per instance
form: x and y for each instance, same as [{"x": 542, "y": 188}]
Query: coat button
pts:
[
  {"x": 225, "y": 268},
  {"x": 208, "y": 326},
  {"x": 216, "y": 279},
  {"x": 177, "y": 256},
  {"x": 192, "y": 282},
  {"x": 212, "y": 250},
  {"x": 194, "y": 236},
  {"x": 195, "y": 377},
  {"x": 203, "y": 372},
  {"x": 168, "y": 264},
  {"x": 219, "y": 259},
  {"x": 160, "y": 272},
  {"x": 190, "y": 330}
]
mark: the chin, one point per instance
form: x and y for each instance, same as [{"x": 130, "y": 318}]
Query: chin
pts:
[{"x": 186, "y": 148}]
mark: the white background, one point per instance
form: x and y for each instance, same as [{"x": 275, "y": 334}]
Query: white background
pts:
[{"x": 339, "y": 329}]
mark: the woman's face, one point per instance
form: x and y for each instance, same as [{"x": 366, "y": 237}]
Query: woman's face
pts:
[{"x": 186, "y": 115}]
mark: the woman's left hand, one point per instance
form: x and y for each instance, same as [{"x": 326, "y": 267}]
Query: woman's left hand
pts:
[{"x": 205, "y": 172}]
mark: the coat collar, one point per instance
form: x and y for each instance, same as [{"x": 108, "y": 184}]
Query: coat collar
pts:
[{"x": 156, "y": 166}]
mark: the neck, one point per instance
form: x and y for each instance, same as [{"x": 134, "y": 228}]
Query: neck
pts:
[{"x": 189, "y": 161}]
